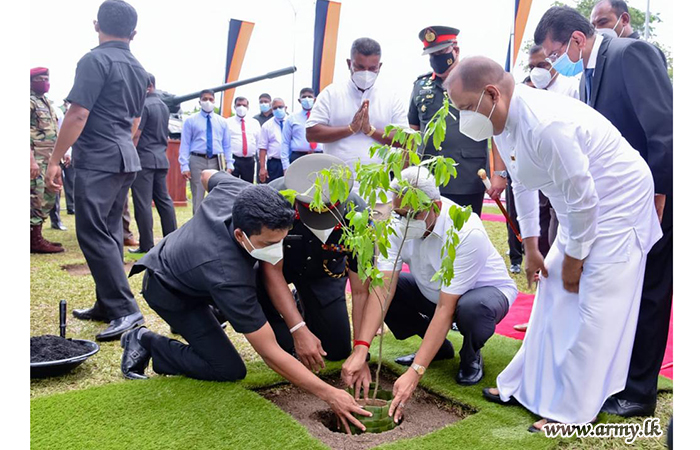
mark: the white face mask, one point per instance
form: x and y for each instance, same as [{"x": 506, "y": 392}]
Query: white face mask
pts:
[
  {"x": 364, "y": 79},
  {"x": 322, "y": 235},
  {"x": 241, "y": 111},
  {"x": 475, "y": 125},
  {"x": 610, "y": 31},
  {"x": 271, "y": 254},
  {"x": 416, "y": 228},
  {"x": 207, "y": 106},
  {"x": 540, "y": 77}
]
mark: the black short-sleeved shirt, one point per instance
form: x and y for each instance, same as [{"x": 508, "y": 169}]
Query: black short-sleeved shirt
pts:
[
  {"x": 426, "y": 99},
  {"x": 111, "y": 84},
  {"x": 201, "y": 262},
  {"x": 154, "y": 133},
  {"x": 305, "y": 255}
]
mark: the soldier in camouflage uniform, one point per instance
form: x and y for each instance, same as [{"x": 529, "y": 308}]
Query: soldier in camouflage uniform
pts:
[{"x": 43, "y": 130}]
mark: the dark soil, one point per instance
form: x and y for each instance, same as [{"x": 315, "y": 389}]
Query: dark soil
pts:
[
  {"x": 53, "y": 348},
  {"x": 424, "y": 413}
]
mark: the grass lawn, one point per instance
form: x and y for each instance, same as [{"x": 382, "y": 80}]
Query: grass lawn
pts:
[{"x": 95, "y": 408}]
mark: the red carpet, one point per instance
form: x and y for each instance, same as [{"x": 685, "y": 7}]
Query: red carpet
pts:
[{"x": 520, "y": 313}]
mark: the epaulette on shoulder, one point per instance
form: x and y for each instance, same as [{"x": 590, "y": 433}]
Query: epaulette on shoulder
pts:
[{"x": 424, "y": 75}]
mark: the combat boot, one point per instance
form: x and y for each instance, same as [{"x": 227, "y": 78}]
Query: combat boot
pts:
[
  {"x": 40, "y": 245},
  {"x": 41, "y": 236}
]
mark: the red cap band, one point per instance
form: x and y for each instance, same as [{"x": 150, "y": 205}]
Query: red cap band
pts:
[{"x": 443, "y": 38}]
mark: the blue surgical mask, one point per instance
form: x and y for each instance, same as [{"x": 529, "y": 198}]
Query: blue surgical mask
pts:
[
  {"x": 279, "y": 113},
  {"x": 307, "y": 103},
  {"x": 565, "y": 66},
  {"x": 264, "y": 107}
]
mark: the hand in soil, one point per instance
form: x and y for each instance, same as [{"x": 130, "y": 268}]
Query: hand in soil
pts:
[
  {"x": 403, "y": 390},
  {"x": 356, "y": 371},
  {"x": 343, "y": 405},
  {"x": 309, "y": 349}
]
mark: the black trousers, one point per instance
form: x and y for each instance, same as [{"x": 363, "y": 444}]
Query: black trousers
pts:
[
  {"x": 68, "y": 176},
  {"x": 293, "y": 155},
  {"x": 548, "y": 225},
  {"x": 150, "y": 186},
  {"x": 244, "y": 168},
  {"x": 99, "y": 205},
  {"x": 325, "y": 312},
  {"x": 274, "y": 169},
  {"x": 210, "y": 354},
  {"x": 654, "y": 316},
  {"x": 515, "y": 247},
  {"x": 478, "y": 311},
  {"x": 475, "y": 200}
]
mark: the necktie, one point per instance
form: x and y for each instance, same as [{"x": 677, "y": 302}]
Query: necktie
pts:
[
  {"x": 589, "y": 84},
  {"x": 244, "y": 138},
  {"x": 210, "y": 139},
  {"x": 312, "y": 144}
]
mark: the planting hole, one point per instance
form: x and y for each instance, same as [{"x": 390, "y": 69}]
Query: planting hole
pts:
[{"x": 424, "y": 413}]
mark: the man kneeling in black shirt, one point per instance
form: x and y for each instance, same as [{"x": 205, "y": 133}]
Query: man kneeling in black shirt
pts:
[{"x": 211, "y": 260}]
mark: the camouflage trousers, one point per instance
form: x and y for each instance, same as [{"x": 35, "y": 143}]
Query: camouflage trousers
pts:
[{"x": 42, "y": 200}]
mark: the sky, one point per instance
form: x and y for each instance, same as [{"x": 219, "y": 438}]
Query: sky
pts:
[{"x": 183, "y": 43}]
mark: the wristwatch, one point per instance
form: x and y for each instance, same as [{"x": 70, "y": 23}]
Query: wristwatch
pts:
[
  {"x": 501, "y": 173},
  {"x": 418, "y": 368}
]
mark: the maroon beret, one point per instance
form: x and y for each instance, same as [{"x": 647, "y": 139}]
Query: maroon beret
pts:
[{"x": 38, "y": 71}]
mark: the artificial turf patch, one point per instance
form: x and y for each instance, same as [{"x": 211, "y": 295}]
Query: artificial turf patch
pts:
[{"x": 179, "y": 413}]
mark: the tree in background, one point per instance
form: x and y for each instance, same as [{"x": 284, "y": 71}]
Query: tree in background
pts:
[{"x": 637, "y": 19}]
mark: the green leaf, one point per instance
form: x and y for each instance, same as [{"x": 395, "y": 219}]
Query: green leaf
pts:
[{"x": 290, "y": 195}]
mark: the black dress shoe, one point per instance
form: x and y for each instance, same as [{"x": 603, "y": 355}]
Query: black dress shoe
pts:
[
  {"x": 446, "y": 351},
  {"x": 135, "y": 357},
  {"x": 137, "y": 250},
  {"x": 58, "y": 226},
  {"x": 70, "y": 212},
  {"x": 626, "y": 408},
  {"x": 89, "y": 314},
  {"x": 497, "y": 398},
  {"x": 472, "y": 373},
  {"x": 119, "y": 326}
]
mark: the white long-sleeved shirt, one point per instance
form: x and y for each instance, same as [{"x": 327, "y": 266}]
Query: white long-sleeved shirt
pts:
[
  {"x": 270, "y": 138},
  {"x": 599, "y": 186},
  {"x": 252, "y": 132},
  {"x": 477, "y": 263}
]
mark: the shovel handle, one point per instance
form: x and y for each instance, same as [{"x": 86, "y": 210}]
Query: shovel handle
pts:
[{"x": 62, "y": 318}]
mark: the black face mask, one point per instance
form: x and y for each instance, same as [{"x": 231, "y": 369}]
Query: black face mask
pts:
[{"x": 440, "y": 63}]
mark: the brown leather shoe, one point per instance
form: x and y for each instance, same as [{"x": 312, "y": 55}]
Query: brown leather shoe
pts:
[
  {"x": 38, "y": 244},
  {"x": 131, "y": 242}
]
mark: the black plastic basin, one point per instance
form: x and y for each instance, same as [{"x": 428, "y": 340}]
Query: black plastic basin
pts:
[{"x": 47, "y": 369}]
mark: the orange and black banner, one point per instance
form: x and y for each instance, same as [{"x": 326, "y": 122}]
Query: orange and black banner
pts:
[
  {"x": 325, "y": 43},
  {"x": 239, "y": 33},
  {"x": 522, "y": 11}
]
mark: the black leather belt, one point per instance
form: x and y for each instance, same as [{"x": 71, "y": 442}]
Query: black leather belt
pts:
[{"x": 204, "y": 155}]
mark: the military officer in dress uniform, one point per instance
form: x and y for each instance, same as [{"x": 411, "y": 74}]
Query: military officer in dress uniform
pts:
[
  {"x": 319, "y": 267},
  {"x": 426, "y": 99}
]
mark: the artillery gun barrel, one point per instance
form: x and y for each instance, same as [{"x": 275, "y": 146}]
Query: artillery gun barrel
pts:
[{"x": 173, "y": 101}]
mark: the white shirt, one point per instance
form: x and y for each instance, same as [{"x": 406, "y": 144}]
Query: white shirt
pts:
[
  {"x": 599, "y": 186},
  {"x": 477, "y": 263},
  {"x": 336, "y": 106},
  {"x": 594, "y": 52},
  {"x": 60, "y": 116},
  {"x": 252, "y": 131},
  {"x": 271, "y": 138},
  {"x": 566, "y": 86}
]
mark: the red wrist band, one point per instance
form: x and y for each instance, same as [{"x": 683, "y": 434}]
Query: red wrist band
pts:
[{"x": 355, "y": 343}]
